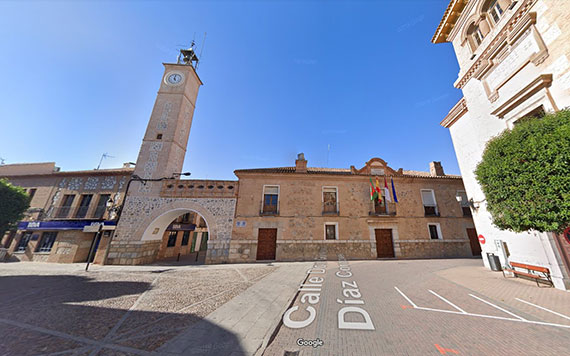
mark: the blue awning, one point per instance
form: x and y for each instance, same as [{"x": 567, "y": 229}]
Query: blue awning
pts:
[{"x": 61, "y": 224}]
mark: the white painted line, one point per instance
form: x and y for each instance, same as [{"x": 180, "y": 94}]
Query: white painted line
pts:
[
  {"x": 498, "y": 307},
  {"x": 494, "y": 317},
  {"x": 408, "y": 299},
  {"x": 543, "y": 308},
  {"x": 447, "y": 301}
]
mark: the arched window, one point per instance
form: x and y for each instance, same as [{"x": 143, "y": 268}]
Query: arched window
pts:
[
  {"x": 495, "y": 10},
  {"x": 475, "y": 36}
]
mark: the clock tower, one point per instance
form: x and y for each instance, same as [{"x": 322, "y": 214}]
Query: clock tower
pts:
[{"x": 164, "y": 144}]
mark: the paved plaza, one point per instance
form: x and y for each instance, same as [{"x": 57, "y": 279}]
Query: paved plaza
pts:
[
  {"x": 389, "y": 307},
  {"x": 425, "y": 307}
]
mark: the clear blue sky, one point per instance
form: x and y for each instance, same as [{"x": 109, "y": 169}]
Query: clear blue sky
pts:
[{"x": 80, "y": 79}]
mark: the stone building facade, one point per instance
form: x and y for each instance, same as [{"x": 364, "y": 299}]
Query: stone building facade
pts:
[
  {"x": 301, "y": 213},
  {"x": 63, "y": 205},
  {"x": 514, "y": 63}
]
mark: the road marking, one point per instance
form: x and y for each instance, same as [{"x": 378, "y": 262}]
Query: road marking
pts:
[
  {"x": 543, "y": 308},
  {"x": 496, "y": 306},
  {"x": 481, "y": 315},
  {"x": 447, "y": 301},
  {"x": 443, "y": 351},
  {"x": 408, "y": 299}
]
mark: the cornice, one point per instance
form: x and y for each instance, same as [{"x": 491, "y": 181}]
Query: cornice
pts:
[
  {"x": 542, "y": 81},
  {"x": 456, "y": 112},
  {"x": 450, "y": 16}
]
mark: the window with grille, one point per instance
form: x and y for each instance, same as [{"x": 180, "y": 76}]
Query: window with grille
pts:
[
  {"x": 428, "y": 199},
  {"x": 101, "y": 206},
  {"x": 171, "y": 238},
  {"x": 270, "y": 199},
  {"x": 23, "y": 243},
  {"x": 330, "y": 203},
  {"x": 330, "y": 231},
  {"x": 185, "y": 238},
  {"x": 434, "y": 231},
  {"x": 495, "y": 10},
  {"x": 47, "y": 241},
  {"x": 65, "y": 207},
  {"x": 83, "y": 206}
]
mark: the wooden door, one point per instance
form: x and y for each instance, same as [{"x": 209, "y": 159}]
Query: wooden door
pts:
[
  {"x": 266, "y": 244},
  {"x": 474, "y": 241},
  {"x": 384, "y": 243}
]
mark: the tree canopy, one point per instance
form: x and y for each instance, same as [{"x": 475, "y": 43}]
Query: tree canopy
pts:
[
  {"x": 525, "y": 175},
  {"x": 13, "y": 203}
]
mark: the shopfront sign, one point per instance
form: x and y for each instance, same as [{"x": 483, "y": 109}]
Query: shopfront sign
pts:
[{"x": 62, "y": 225}]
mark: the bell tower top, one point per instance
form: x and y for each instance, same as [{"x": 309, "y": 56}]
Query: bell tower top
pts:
[{"x": 188, "y": 56}]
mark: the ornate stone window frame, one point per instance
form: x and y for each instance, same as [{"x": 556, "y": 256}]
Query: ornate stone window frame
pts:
[{"x": 501, "y": 49}]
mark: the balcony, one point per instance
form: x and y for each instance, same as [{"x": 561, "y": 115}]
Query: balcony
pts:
[
  {"x": 269, "y": 210},
  {"x": 81, "y": 212},
  {"x": 99, "y": 212},
  {"x": 431, "y": 211},
  {"x": 331, "y": 208},
  {"x": 63, "y": 212}
]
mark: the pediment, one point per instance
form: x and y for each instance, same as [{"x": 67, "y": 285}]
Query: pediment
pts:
[{"x": 376, "y": 167}]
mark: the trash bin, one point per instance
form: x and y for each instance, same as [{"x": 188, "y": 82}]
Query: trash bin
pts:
[{"x": 494, "y": 262}]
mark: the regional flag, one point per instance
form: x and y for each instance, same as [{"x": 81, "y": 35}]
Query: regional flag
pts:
[
  {"x": 373, "y": 194},
  {"x": 394, "y": 191},
  {"x": 386, "y": 191},
  {"x": 378, "y": 191}
]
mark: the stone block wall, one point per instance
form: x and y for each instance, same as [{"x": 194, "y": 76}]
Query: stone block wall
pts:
[{"x": 126, "y": 252}]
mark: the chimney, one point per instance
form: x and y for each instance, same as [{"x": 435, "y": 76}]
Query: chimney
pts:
[
  {"x": 301, "y": 163},
  {"x": 435, "y": 169}
]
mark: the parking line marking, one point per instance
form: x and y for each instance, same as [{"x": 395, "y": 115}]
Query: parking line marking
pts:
[
  {"x": 494, "y": 317},
  {"x": 483, "y": 316},
  {"x": 543, "y": 308},
  {"x": 447, "y": 301},
  {"x": 498, "y": 307},
  {"x": 408, "y": 299}
]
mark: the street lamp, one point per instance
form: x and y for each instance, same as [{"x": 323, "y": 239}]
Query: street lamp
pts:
[{"x": 134, "y": 178}]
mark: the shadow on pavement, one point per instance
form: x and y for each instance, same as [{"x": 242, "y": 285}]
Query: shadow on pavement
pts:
[{"x": 41, "y": 315}]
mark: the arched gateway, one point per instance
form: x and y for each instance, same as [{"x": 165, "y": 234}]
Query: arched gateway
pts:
[
  {"x": 155, "y": 197},
  {"x": 141, "y": 231}
]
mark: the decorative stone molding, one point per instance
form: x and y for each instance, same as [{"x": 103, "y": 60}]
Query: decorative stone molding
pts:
[
  {"x": 511, "y": 29},
  {"x": 456, "y": 112},
  {"x": 541, "y": 82}
]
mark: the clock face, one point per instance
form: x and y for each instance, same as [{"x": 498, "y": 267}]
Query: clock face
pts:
[{"x": 174, "y": 78}]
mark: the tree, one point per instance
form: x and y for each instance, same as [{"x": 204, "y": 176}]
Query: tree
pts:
[
  {"x": 13, "y": 203},
  {"x": 525, "y": 175}
]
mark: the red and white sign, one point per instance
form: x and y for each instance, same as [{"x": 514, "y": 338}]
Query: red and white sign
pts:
[{"x": 482, "y": 239}]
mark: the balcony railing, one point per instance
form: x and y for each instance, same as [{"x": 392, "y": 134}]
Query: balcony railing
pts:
[
  {"x": 330, "y": 208},
  {"x": 269, "y": 210},
  {"x": 81, "y": 212},
  {"x": 431, "y": 211},
  {"x": 99, "y": 212},
  {"x": 63, "y": 212}
]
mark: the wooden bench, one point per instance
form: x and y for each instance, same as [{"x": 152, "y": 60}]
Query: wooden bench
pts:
[{"x": 539, "y": 274}]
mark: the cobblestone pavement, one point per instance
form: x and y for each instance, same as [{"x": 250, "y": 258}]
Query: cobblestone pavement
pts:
[
  {"x": 51, "y": 309},
  {"x": 423, "y": 307}
]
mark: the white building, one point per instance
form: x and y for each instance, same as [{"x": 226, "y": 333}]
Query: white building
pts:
[{"x": 514, "y": 62}]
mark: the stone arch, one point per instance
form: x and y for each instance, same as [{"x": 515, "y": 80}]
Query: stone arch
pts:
[{"x": 160, "y": 219}]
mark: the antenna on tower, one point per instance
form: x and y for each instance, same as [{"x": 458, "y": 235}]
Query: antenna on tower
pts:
[
  {"x": 201, "y": 49},
  {"x": 103, "y": 156},
  {"x": 2, "y": 160}
]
